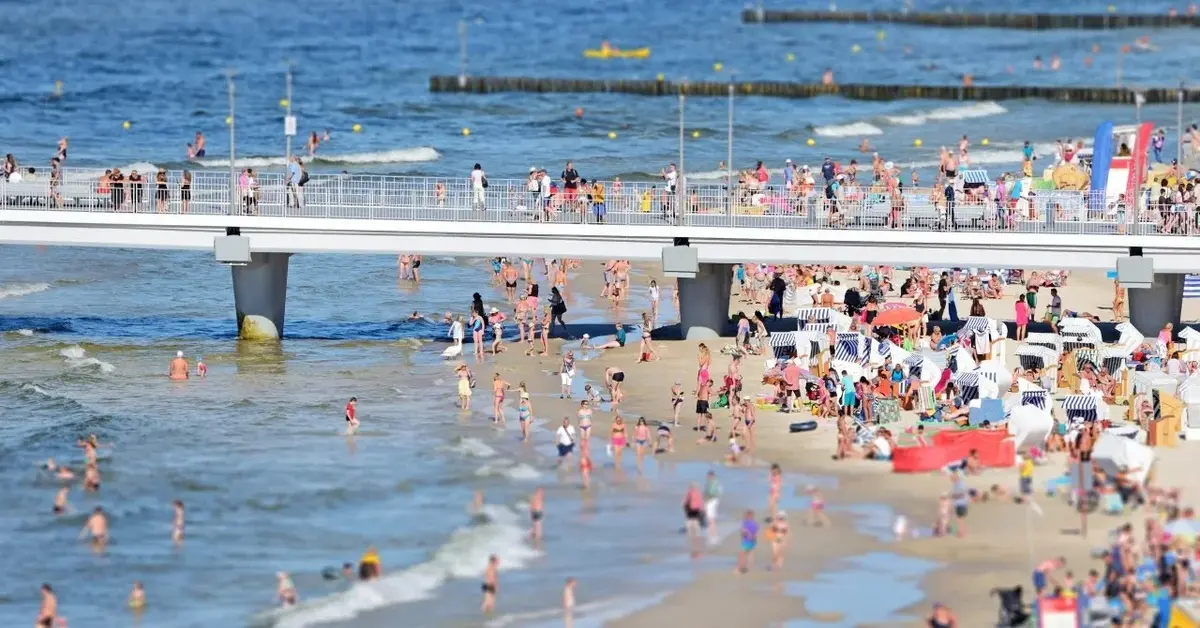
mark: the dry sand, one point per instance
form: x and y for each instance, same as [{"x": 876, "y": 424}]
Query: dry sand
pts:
[{"x": 1003, "y": 539}]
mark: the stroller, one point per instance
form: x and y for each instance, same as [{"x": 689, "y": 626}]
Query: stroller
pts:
[{"x": 1013, "y": 611}]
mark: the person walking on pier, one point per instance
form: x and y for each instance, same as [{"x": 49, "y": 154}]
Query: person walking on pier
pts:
[
  {"x": 297, "y": 176},
  {"x": 479, "y": 183}
]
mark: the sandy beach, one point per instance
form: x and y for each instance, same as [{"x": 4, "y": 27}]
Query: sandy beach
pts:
[{"x": 1003, "y": 542}]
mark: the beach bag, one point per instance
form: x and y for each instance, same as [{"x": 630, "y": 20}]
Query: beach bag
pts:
[
  {"x": 722, "y": 401},
  {"x": 470, "y": 379},
  {"x": 303, "y": 178},
  {"x": 485, "y": 183}
]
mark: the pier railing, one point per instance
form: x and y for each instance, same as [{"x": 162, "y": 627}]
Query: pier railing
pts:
[{"x": 771, "y": 206}]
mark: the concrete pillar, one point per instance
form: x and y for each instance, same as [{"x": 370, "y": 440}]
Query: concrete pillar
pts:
[
  {"x": 1151, "y": 308},
  {"x": 704, "y": 302},
  {"x": 260, "y": 294}
]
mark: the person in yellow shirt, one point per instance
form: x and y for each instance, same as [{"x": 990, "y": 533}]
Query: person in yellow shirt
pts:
[
  {"x": 1027, "y": 166},
  {"x": 598, "y": 201},
  {"x": 1026, "y": 476},
  {"x": 647, "y": 200}
]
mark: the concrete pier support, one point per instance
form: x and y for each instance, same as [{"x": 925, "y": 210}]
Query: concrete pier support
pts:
[
  {"x": 1151, "y": 308},
  {"x": 260, "y": 294},
  {"x": 704, "y": 302}
]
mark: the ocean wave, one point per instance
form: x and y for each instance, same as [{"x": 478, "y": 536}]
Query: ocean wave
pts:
[
  {"x": 597, "y": 613},
  {"x": 77, "y": 357},
  {"x": 470, "y": 446},
  {"x": 464, "y": 555},
  {"x": 853, "y": 129},
  {"x": 22, "y": 289},
  {"x": 395, "y": 156},
  {"x": 1007, "y": 153},
  {"x": 958, "y": 112},
  {"x": 22, "y": 332},
  {"x": 519, "y": 471}
]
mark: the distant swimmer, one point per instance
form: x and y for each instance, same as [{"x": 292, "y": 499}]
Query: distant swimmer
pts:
[
  {"x": 177, "y": 525},
  {"x": 201, "y": 367},
  {"x": 96, "y": 529},
  {"x": 60, "y": 501},
  {"x": 179, "y": 367},
  {"x": 369, "y": 567},
  {"x": 286, "y": 590},
  {"x": 490, "y": 584},
  {"x": 48, "y": 612},
  {"x": 827, "y": 77},
  {"x": 91, "y": 478},
  {"x": 865, "y": 146},
  {"x": 137, "y": 597},
  {"x": 352, "y": 413},
  {"x": 415, "y": 316},
  {"x": 313, "y": 143},
  {"x": 199, "y": 145},
  {"x": 568, "y": 601}
]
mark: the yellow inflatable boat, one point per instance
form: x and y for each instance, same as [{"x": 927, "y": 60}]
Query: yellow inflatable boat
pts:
[{"x": 616, "y": 53}]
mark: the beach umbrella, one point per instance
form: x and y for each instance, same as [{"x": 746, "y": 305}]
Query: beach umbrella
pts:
[
  {"x": 1183, "y": 528},
  {"x": 897, "y": 316}
]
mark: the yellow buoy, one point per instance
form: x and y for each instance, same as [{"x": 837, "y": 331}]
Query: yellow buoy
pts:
[
  {"x": 791, "y": 56},
  {"x": 283, "y": 102},
  {"x": 917, "y": 142},
  {"x": 228, "y": 119},
  {"x": 880, "y": 35},
  {"x": 695, "y": 134},
  {"x": 612, "y": 135},
  {"x": 984, "y": 141},
  {"x": 466, "y": 131},
  {"x": 661, "y": 77},
  {"x": 1112, "y": 8},
  {"x": 126, "y": 124},
  {"x": 855, "y": 49},
  {"x": 718, "y": 66},
  {"x": 357, "y": 128},
  {"x": 811, "y": 142}
]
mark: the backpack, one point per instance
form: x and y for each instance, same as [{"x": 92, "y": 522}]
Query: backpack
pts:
[{"x": 303, "y": 177}]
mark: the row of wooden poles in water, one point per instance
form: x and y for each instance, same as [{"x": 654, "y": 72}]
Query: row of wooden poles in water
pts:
[
  {"x": 1021, "y": 21},
  {"x": 656, "y": 87}
]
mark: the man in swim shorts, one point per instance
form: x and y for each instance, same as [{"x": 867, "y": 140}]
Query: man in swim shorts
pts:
[{"x": 490, "y": 584}]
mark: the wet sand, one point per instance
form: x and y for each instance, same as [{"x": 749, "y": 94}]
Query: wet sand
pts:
[{"x": 1002, "y": 542}]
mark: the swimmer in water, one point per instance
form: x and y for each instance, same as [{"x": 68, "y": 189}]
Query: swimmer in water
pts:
[
  {"x": 313, "y": 143},
  {"x": 490, "y": 584},
  {"x": 60, "y": 501},
  {"x": 47, "y": 616},
  {"x": 177, "y": 526},
  {"x": 179, "y": 367},
  {"x": 369, "y": 567},
  {"x": 91, "y": 478},
  {"x": 96, "y": 528},
  {"x": 201, "y": 368},
  {"x": 137, "y": 597},
  {"x": 286, "y": 590},
  {"x": 198, "y": 146},
  {"x": 568, "y": 601},
  {"x": 537, "y": 511},
  {"x": 415, "y": 316}
]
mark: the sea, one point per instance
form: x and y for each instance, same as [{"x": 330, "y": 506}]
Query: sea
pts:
[{"x": 255, "y": 451}]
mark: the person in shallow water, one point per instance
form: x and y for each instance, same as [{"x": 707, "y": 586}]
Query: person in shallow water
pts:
[{"x": 179, "y": 367}]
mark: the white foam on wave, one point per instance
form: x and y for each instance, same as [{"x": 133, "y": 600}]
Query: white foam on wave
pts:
[
  {"x": 77, "y": 357},
  {"x": 24, "y": 332},
  {"x": 1006, "y": 153},
  {"x": 22, "y": 289},
  {"x": 958, "y": 112},
  {"x": 853, "y": 129},
  {"x": 589, "y": 615},
  {"x": 36, "y": 389},
  {"x": 470, "y": 446},
  {"x": 464, "y": 555},
  {"x": 519, "y": 471},
  {"x": 395, "y": 156}
]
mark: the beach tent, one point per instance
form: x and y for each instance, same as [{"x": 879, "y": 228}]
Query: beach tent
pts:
[
  {"x": 852, "y": 347},
  {"x": 811, "y": 343},
  {"x": 1111, "y": 359},
  {"x": 809, "y": 315},
  {"x": 971, "y": 387},
  {"x": 1053, "y": 342},
  {"x": 853, "y": 369},
  {"x": 1116, "y": 453},
  {"x": 1189, "y": 390},
  {"x": 1142, "y": 382},
  {"x": 1079, "y": 408},
  {"x": 998, "y": 374},
  {"x": 1079, "y": 333},
  {"x": 924, "y": 368},
  {"x": 783, "y": 344},
  {"x": 898, "y": 354},
  {"x": 1037, "y": 357},
  {"x": 1029, "y": 427},
  {"x": 959, "y": 360},
  {"x": 1191, "y": 349},
  {"x": 1032, "y": 395},
  {"x": 1130, "y": 338}
]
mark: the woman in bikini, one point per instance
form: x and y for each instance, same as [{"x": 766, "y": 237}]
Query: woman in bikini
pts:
[
  {"x": 477, "y": 333},
  {"x": 617, "y": 440},
  {"x": 641, "y": 439},
  {"x": 498, "y": 388},
  {"x": 585, "y": 422},
  {"x": 525, "y": 416},
  {"x": 703, "y": 361},
  {"x": 779, "y": 539},
  {"x": 676, "y": 402},
  {"x": 405, "y": 263}
]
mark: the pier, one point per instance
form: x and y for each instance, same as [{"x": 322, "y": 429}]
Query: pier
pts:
[
  {"x": 852, "y": 91},
  {"x": 1018, "y": 21}
]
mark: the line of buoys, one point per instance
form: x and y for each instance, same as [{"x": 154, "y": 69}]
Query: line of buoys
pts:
[
  {"x": 661, "y": 87},
  {"x": 1023, "y": 21}
]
